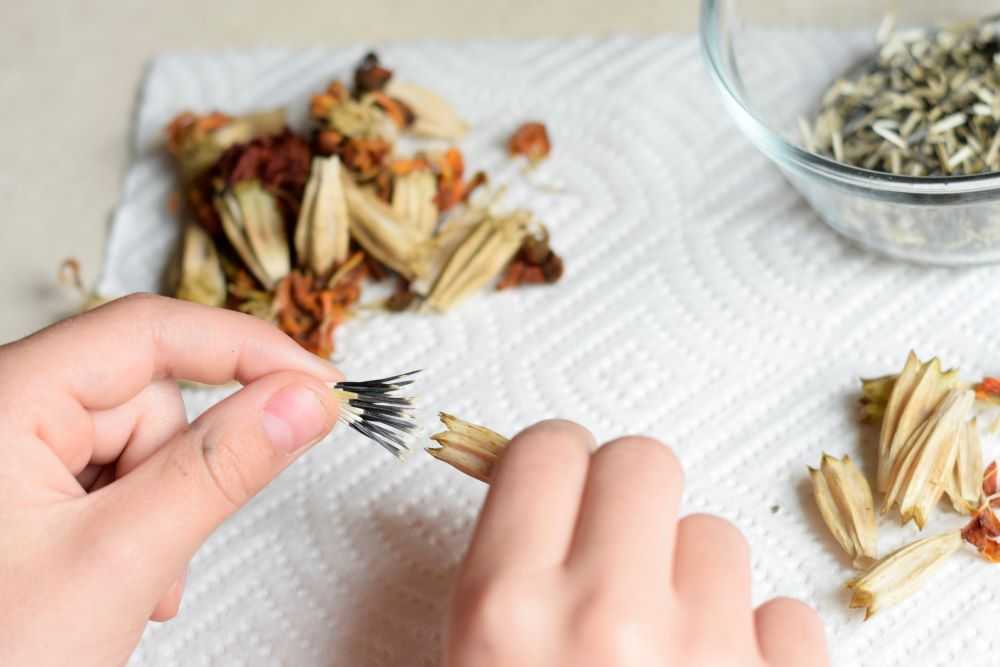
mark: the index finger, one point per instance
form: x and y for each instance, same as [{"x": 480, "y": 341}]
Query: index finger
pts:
[{"x": 106, "y": 356}]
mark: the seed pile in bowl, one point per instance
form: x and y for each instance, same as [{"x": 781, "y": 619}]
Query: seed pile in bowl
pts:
[{"x": 927, "y": 105}]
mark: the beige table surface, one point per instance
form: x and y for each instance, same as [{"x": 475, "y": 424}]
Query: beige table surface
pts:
[{"x": 69, "y": 72}]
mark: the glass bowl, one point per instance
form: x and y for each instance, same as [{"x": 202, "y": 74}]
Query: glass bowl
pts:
[{"x": 772, "y": 63}]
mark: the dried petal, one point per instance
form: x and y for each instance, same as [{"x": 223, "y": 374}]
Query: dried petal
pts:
[
  {"x": 322, "y": 234},
  {"x": 470, "y": 448},
  {"x": 71, "y": 274},
  {"x": 990, "y": 483},
  {"x": 433, "y": 117},
  {"x": 530, "y": 140},
  {"x": 846, "y": 504},
  {"x": 983, "y": 532},
  {"x": 900, "y": 574},
  {"x": 988, "y": 390}
]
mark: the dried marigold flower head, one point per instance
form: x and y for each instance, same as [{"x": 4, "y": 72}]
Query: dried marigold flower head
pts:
[
  {"x": 988, "y": 389},
  {"x": 370, "y": 76},
  {"x": 983, "y": 532},
  {"x": 280, "y": 163},
  {"x": 530, "y": 140},
  {"x": 309, "y": 310}
]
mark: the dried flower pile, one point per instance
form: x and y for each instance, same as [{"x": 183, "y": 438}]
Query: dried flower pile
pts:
[
  {"x": 290, "y": 228},
  {"x": 929, "y": 448},
  {"x": 927, "y": 105}
]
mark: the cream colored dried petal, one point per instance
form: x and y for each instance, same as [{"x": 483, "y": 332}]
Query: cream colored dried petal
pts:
[
  {"x": 387, "y": 237},
  {"x": 965, "y": 488},
  {"x": 900, "y": 574},
  {"x": 200, "y": 278},
  {"x": 846, "y": 504},
  {"x": 924, "y": 469},
  {"x": 479, "y": 258},
  {"x": 433, "y": 117},
  {"x": 253, "y": 224},
  {"x": 470, "y": 448},
  {"x": 322, "y": 233},
  {"x": 413, "y": 200}
]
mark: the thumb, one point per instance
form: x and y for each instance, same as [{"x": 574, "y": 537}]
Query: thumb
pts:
[{"x": 162, "y": 511}]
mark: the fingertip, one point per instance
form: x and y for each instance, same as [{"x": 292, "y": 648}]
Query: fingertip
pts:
[
  {"x": 790, "y": 632},
  {"x": 643, "y": 453},
  {"x": 561, "y": 432}
]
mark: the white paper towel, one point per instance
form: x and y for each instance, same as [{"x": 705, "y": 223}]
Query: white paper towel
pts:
[{"x": 704, "y": 303}]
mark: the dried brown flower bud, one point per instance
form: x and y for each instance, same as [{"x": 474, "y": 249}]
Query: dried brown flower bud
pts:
[
  {"x": 530, "y": 140},
  {"x": 370, "y": 75}
]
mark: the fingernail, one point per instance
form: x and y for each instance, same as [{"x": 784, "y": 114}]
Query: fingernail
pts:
[{"x": 293, "y": 418}]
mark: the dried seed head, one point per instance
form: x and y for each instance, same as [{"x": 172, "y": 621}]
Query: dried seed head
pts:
[
  {"x": 322, "y": 233},
  {"x": 376, "y": 410},
  {"x": 199, "y": 272},
  {"x": 253, "y": 224},
  {"x": 197, "y": 142},
  {"x": 875, "y": 394},
  {"x": 467, "y": 447},
  {"x": 384, "y": 234},
  {"x": 915, "y": 394},
  {"x": 479, "y": 258},
  {"x": 925, "y": 463},
  {"x": 413, "y": 200},
  {"x": 433, "y": 117},
  {"x": 370, "y": 75},
  {"x": 845, "y": 502},
  {"x": 966, "y": 489},
  {"x": 900, "y": 574}
]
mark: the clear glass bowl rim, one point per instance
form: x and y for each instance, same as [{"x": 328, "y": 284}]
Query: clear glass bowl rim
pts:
[{"x": 789, "y": 155}]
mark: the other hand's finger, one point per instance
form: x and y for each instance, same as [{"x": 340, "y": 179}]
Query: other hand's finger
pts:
[
  {"x": 527, "y": 520},
  {"x": 790, "y": 634}
]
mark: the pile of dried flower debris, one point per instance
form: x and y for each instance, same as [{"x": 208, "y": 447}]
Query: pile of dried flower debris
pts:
[
  {"x": 929, "y": 448},
  {"x": 290, "y": 228}
]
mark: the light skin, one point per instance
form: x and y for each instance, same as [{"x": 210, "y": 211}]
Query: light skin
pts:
[{"x": 106, "y": 492}]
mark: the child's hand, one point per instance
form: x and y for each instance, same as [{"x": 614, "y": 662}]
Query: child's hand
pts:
[
  {"x": 579, "y": 559},
  {"x": 89, "y": 405}
]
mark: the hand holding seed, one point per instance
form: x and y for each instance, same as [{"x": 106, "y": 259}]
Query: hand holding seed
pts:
[
  {"x": 107, "y": 491},
  {"x": 579, "y": 559}
]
